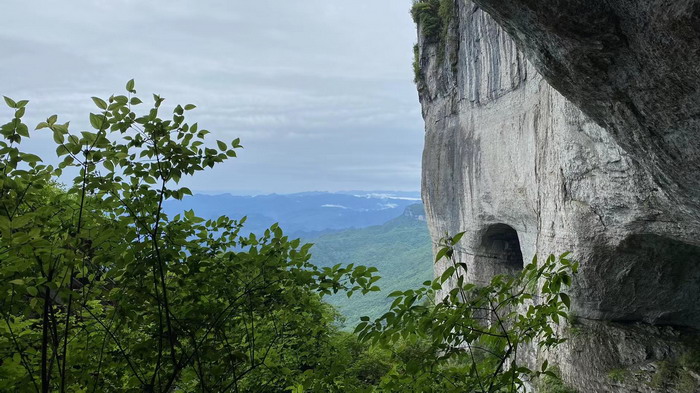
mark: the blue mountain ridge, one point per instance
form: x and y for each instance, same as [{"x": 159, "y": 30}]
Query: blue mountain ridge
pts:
[{"x": 305, "y": 214}]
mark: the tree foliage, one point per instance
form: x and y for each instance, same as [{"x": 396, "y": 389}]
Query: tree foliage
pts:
[
  {"x": 433, "y": 17},
  {"x": 470, "y": 338},
  {"x": 102, "y": 291}
]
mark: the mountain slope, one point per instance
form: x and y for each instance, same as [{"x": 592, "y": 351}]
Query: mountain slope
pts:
[{"x": 400, "y": 249}]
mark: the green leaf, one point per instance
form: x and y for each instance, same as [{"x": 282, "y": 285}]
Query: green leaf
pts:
[
  {"x": 23, "y": 130},
  {"x": 32, "y": 291},
  {"x": 41, "y": 125},
  {"x": 566, "y": 279},
  {"x": 447, "y": 274},
  {"x": 222, "y": 145},
  {"x": 189, "y": 107},
  {"x": 22, "y": 103},
  {"x": 96, "y": 121},
  {"x": 100, "y": 103},
  {"x": 108, "y": 165},
  {"x": 61, "y": 150},
  {"x": 456, "y": 238},
  {"x": 120, "y": 100},
  {"x": 158, "y": 100},
  {"x": 130, "y": 86},
  {"x": 565, "y": 299},
  {"x": 360, "y": 326},
  {"x": 10, "y": 102},
  {"x": 58, "y": 137},
  {"x": 441, "y": 253},
  {"x": 31, "y": 158},
  {"x": 135, "y": 101}
]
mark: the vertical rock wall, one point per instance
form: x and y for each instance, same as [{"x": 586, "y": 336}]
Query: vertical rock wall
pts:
[{"x": 523, "y": 170}]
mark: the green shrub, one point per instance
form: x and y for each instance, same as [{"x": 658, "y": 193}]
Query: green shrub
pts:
[
  {"x": 549, "y": 383},
  {"x": 618, "y": 375},
  {"x": 426, "y": 14},
  {"x": 433, "y": 18},
  {"x": 417, "y": 72},
  {"x": 465, "y": 340},
  {"x": 675, "y": 374}
]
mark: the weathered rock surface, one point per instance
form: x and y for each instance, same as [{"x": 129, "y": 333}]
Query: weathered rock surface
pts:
[
  {"x": 604, "y": 356},
  {"x": 608, "y": 170},
  {"x": 631, "y": 65}
]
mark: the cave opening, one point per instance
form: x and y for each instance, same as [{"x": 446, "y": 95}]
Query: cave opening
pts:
[{"x": 499, "y": 252}]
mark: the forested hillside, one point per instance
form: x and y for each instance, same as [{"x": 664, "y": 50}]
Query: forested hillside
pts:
[{"x": 400, "y": 249}]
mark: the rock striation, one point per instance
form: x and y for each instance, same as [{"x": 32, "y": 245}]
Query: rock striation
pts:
[{"x": 575, "y": 126}]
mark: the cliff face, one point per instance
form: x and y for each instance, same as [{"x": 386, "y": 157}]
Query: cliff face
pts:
[
  {"x": 632, "y": 66},
  {"x": 524, "y": 169}
]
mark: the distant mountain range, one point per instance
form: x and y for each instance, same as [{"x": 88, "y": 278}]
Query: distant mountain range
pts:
[{"x": 304, "y": 214}]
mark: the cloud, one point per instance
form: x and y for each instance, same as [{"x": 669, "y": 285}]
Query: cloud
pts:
[
  {"x": 334, "y": 206},
  {"x": 319, "y": 91}
]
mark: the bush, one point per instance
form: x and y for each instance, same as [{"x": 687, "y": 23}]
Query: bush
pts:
[
  {"x": 102, "y": 291},
  {"x": 433, "y": 18},
  {"x": 417, "y": 73},
  {"x": 468, "y": 340}
]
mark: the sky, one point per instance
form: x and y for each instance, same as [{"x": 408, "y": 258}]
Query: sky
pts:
[{"x": 319, "y": 91}]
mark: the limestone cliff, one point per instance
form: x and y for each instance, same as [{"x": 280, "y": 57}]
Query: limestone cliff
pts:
[{"x": 598, "y": 157}]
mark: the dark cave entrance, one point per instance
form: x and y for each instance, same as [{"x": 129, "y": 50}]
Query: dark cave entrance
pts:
[{"x": 498, "y": 253}]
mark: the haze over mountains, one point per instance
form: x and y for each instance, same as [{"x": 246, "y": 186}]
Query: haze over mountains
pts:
[{"x": 304, "y": 214}]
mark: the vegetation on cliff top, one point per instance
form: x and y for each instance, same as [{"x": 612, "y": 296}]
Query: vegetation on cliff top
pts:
[{"x": 433, "y": 19}]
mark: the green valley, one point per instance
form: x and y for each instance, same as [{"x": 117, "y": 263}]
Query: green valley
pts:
[{"x": 400, "y": 249}]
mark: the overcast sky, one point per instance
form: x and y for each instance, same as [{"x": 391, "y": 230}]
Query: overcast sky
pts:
[{"x": 319, "y": 91}]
